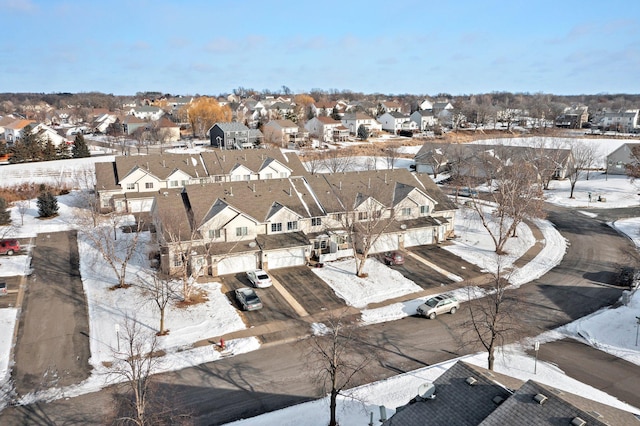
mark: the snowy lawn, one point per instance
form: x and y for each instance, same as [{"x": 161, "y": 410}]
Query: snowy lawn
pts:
[{"x": 382, "y": 283}]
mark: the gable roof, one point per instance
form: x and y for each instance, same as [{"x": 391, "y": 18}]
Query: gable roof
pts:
[
  {"x": 327, "y": 120},
  {"x": 233, "y": 126},
  {"x": 19, "y": 124},
  {"x": 456, "y": 401},
  {"x": 160, "y": 165}
]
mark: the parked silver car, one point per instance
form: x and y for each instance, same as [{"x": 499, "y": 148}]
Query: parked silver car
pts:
[
  {"x": 248, "y": 299},
  {"x": 439, "y": 305}
]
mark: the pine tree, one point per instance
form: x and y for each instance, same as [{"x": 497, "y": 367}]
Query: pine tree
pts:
[
  {"x": 363, "y": 132},
  {"x": 49, "y": 151},
  {"x": 47, "y": 204},
  {"x": 80, "y": 148},
  {"x": 5, "y": 215}
]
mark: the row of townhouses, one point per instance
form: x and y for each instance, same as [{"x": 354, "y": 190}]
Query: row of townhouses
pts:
[{"x": 239, "y": 210}]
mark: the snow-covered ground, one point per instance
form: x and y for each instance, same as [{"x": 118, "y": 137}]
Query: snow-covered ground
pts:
[{"x": 109, "y": 307}]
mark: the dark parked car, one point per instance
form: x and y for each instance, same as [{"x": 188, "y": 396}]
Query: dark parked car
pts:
[
  {"x": 248, "y": 299},
  {"x": 393, "y": 258}
]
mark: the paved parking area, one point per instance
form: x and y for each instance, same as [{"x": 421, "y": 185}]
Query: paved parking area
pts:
[
  {"x": 275, "y": 307},
  {"x": 419, "y": 273},
  {"x": 447, "y": 261},
  {"x": 308, "y": 289}
]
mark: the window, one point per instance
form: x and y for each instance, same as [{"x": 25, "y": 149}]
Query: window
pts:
[
  {"x": 247, "y": 177},
  {"x": 283, "y": 174},
  {"x": 214, "y": 233},
  {"x": 177, "y": 261},
  {"x": 316, "y": 221},
  {"x": 292, "y": 226},
  {"x": 363, "y": 215},
  {"x": 174, "y": 183},
  {"x": 268, "y": 176},
  {"x": 184, "y": 182},
  {"x": 148, "y": 185},
  {"x": 424, "y": 209},
  {"x": 377, "y": 214},
  {"x": 131, "y": 186},
  {"x": 241, "y": 231},
  {"x": 217, "y": 179},
  {"x": 339, "y": 217},
  {"x": 276, "y": 227},
  {"x": 406, "y": 211}
]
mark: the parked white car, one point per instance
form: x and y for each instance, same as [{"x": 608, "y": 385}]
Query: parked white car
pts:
[
  {"x": 439, "y": 305},
  {"x": 259, "y": 278}
]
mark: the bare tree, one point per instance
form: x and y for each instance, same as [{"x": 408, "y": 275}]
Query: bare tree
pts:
[
  {"x": 23, "y": 208},
  {"x": 633, "y": 167},
  {"x": 338, "y": 360},
  {"x": 494, "y": 317},
  {"x": 338, "y": 161},
  {"x": 548, "y": 157},
  {"x": 391, "y": 155},
  {"x": 161, "y": 289},
  {"x": 582, "y": 158},
  {"x": 117, "y": 252},
  {"x": 135, "y": 361},
  {"x": 517, "y": 196},
  {"x": 313, "y": 162}
]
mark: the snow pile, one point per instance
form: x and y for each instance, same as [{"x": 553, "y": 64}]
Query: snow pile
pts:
[{"x": 382, "y": 283}]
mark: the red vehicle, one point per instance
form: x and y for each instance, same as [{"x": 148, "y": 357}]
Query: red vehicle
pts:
[
  {"x": 393, "y": 258},
  {"x": 9, "y": 247}
]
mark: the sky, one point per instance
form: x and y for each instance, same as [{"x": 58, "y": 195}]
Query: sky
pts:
[{"x": 390, "y": 47}]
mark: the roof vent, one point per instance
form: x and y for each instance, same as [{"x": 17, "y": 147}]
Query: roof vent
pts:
[
  {"x": 427, "y": 391},
  {"x": 595, "y": 414},
  {"x": 498, "y": 400},
  {"x": 471, "y": 381},
  {"x": 577, "y": 421},
  {"x": 540, "y": 398}
]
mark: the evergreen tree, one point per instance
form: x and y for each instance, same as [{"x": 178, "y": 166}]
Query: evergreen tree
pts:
[
  {"x": 334, "y": 114},
  {"x": 363, "y": 132},
  {"x": 47, "y": 204},
  {"x": 49, "y": 151},
  {"x": 5, "y": 215},
  {"x": 62, "y": 151}
]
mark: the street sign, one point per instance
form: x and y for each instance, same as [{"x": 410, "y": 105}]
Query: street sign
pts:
[{"x": 536, "y": 346}]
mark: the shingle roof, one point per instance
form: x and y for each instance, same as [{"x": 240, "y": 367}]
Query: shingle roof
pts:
[
  {"x": 160, "y": 165},
  {"x": 232, "y": 127},
  {"x": 456, "y": 402}
]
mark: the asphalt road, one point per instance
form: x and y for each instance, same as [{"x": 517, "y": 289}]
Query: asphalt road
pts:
[
  {"x": 279, "y": 376},
  {"x": 52, "y": 347}
]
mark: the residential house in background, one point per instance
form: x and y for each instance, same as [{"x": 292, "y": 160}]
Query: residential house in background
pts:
[
  {"x": 424, "y": 119},
  {"x": 620, "y": 157},
  {"x": 573, "y": 117},
  {"x": 394, "y": 122},
  {"x": 147, "y": 112},
  {"x": 425, "y": 105},
  {"x": 324, "y": 108},
  {"x": 131, "y": 123},
  {"x": 13, "y": 131},
  {"x": 390, "y": 106},
  {"x": 621, "y": 121},
  {"x": 285, "y": 132},
  {"x": 353, "y": 121},
  {"x": 327, "y": 129},
  {"x": 168, "y": 131},
  {"x": 232, "y": 135}
]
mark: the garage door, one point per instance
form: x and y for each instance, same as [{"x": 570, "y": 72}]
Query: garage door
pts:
[
  {"x": 418, "y": 237},
  {"x": 285, "y": 258},
  {"x": 140, "y": 205},
  {"x": 384, "y": 243},
  {"x": 235, "y": 264}
]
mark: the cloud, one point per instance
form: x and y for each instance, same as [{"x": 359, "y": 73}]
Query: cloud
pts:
[
  {"x": 178, "y": 43},
  {"x": 221, "y": 45},
  {"x": 18, "y": 5},
  {"x": 140, "y": 45}
]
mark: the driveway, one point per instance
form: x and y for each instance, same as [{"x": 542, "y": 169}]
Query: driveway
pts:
[
  {"x": 275, "y": 307},
  {"x": 447, "y": 261},
  {"x": 419, "y": 272},
  {"x": 308, "y": 289},
  {"x": 52, "y": 348}
]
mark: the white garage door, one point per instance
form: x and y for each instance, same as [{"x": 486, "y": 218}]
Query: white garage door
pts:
[
  {"x": 285, "y": 258},
  {"x": 140, "y": 205},
  {"x": 419, "y": 237},
  {"x": 384, "y": 243},
  {"x": 235, "y": 264}
]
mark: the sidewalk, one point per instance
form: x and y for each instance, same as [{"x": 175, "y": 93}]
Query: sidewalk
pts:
[{"x": 291, "y": 330}]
